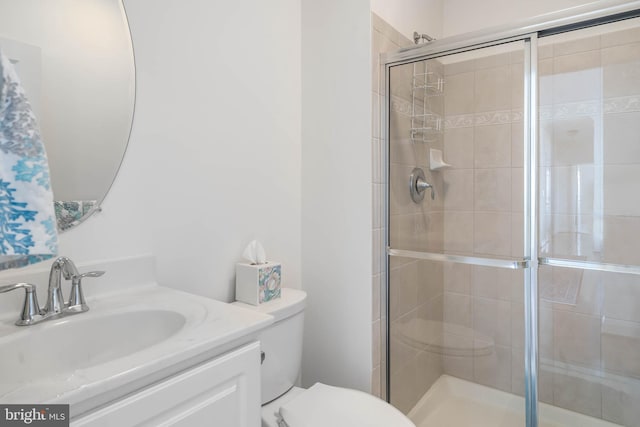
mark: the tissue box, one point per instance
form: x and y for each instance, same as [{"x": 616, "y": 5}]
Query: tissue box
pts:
[{"x": 258, "y": 283}]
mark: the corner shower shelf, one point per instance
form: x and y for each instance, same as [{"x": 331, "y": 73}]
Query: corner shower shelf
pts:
[
  {"x": 431, "y": 83},
  {"x": 436, "y": 160},
  {"x": 426, "y": 125}
]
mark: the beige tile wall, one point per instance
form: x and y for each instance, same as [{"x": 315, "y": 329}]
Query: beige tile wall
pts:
[
  {"x": 590, "y": 120},
  {"x": 384, "y": 39},
  {"x": 590, "y": 164},
  {"x": 416, "y": 291},
  {"x": 590, "y": 343},
  {"x": 483, "y": 216},
  {"x": 416, "y": 312},
  {"x": 483, "y": 140},
  {"x": 416, "y": 287},
  {"x": 589, "y": 335}
]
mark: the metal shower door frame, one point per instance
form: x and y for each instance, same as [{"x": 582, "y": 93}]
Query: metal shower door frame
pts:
[{"x": 529, "y": 261}]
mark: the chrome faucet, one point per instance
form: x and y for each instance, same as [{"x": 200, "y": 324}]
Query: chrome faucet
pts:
[
  {"x": 55, "y": 301},
  {"x": 55, "y": 306}
]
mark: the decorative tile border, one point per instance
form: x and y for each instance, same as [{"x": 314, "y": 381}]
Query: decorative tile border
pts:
[
  {"x": 569, "y": 110},
  {"x": 401, "y": 106},
  {"x": 483, "y": 119},
  {"x": 623, "y": 104},
  {"x": 459, "y": 121},
  {"x": 495, "y": 118}
]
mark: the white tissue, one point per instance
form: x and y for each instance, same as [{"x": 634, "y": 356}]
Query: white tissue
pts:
[{"x": 254, "y": 253}]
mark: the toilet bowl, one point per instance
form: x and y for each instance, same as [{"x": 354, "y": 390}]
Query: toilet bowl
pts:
[{"x": 283, "y": 404}]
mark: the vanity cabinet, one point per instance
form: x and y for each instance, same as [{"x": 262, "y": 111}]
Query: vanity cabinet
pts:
[{"x": 223, "y": 392}]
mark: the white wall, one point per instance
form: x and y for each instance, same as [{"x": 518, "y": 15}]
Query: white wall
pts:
[
  {"x": 407, "y": 16},
  {"x": 336, "y": 198},
  {"x": 214, "y": 156},
  {"x": 463, "y": 16},
  {"x": 218, "y": 118}
]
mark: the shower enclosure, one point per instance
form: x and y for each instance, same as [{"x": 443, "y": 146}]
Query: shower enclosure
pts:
[{"x": 513, "y": 224}]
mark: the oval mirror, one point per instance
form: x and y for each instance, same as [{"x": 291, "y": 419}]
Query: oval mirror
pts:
[{"x": 75, "y": 61}]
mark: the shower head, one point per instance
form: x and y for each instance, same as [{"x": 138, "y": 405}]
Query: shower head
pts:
[{"x": 417, "y": 37}]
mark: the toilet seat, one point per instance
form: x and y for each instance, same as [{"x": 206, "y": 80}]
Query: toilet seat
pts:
[{"x": 322, "y": 405}]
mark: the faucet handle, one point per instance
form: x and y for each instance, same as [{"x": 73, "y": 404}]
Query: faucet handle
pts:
[
  {"x": 30, "y": 308},
  {"x": 77, "y": 302},
  {"x": 90, "y": 274}
]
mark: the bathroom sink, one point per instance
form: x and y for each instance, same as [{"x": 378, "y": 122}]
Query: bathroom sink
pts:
[
  {"x": 76, "y": 343},
  {"x": 125, "y": 342}
]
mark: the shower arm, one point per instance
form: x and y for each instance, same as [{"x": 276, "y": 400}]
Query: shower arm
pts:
[{"x": 417, "y": 37}]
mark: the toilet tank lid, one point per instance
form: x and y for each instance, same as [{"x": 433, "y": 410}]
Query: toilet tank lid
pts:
[{"x": 291, "y": 301}]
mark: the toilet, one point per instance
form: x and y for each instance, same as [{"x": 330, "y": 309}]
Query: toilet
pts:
[{"x": 283, "y": 404}]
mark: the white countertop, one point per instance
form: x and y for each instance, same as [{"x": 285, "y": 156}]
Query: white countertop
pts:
[{"x": 210, "y": 329}]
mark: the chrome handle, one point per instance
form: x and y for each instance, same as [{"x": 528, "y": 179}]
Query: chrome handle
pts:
[
  {"x": 7, "y": 288},
  {"x": 262, "y": 357},
  {"x": 418, "y": 185},
  {"x": 422, "y": 185},
  {"x": 30, "y": 308},
  {"x": 90, "y": 274},
  {"x": 77, "y": 302}
]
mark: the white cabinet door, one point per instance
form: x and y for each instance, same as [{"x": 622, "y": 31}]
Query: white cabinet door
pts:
[{"x": 224, "y": 392}]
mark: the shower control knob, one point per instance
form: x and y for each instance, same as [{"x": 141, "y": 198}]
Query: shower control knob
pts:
[{"x": 418, "y": 185}]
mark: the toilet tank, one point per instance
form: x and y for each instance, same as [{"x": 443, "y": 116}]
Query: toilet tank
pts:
[{"x": 281, "y": 342}]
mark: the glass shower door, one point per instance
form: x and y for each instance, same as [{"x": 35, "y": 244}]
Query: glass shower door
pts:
[
  {"x": 513, "y": 219},
  {"x": 457, "y": 223},
  {"x": 589, "y": 283}
]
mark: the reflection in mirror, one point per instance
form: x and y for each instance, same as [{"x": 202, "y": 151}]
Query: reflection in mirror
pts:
[{"x": 75, "y": 61}]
